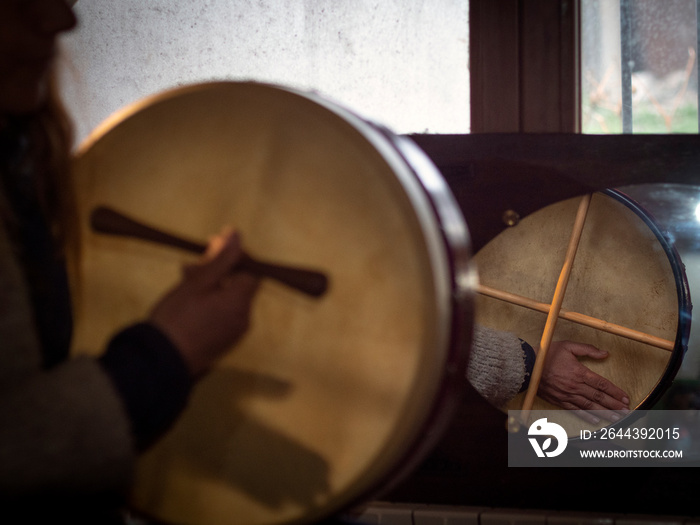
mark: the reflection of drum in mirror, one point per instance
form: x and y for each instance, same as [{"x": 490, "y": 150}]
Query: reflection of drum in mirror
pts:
[
  {"x": 625, "y": 273},
  {"x": 325, "y": 399}
]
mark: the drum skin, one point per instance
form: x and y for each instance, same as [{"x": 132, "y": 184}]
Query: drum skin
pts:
[
  {"x": 624, "y": 272},
  {"x": 325, "y": 399}
]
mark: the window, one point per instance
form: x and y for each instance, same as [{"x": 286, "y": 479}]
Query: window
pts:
[
  {"x": 639, "y": 66},
  {"x": 403, "y": 64}
]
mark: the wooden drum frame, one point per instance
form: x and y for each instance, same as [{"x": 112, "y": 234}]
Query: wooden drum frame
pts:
[
  {"x": 611, "y": 280},
  {"x": 326, "y": 400}
]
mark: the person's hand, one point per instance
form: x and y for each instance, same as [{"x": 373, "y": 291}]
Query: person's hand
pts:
[
  {"x": 569, "y": 384},
  {"x": 209, "y": 310}
]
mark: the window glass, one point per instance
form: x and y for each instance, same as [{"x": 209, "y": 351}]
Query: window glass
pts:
[
  {"x": 404, "y": 64},
  {"x": 639, "y": 66}
]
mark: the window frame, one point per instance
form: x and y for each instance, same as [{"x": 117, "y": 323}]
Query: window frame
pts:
[{"x": 536, "y": 86}]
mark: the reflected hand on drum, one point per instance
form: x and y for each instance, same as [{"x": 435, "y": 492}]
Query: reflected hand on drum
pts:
[
  {"x": 568, "y": 383},
  {"x": 209, "y": 310}
]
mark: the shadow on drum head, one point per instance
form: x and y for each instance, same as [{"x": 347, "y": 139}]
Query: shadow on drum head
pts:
[{"x": 238, "y": 448}]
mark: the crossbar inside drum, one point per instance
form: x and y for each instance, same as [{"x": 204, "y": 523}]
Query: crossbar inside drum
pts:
[
  {"x": 557, "y": 300},
  {"x": 586, "y": 320}
]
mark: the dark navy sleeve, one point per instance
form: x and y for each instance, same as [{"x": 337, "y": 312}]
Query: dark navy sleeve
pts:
[
  {"x": 529, "y": 356},
  {"x": 151, "y": 377}
]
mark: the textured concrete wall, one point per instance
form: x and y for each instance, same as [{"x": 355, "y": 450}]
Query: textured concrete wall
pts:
[{"x": 403, "y": 63}]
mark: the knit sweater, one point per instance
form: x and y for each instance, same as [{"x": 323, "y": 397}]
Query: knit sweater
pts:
[
  {"x": 500, "y": 365},
  {"x": 60, "y": 429}
]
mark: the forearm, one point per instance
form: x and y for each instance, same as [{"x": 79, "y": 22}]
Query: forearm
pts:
[
  {"x": 152, "y": 379},
  {"x": 79, "y": 426}
]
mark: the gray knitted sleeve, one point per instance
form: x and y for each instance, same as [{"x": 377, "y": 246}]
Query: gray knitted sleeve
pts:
[{"x": 496, "y": 365}]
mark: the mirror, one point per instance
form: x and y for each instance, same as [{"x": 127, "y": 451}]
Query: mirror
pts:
[{"x": 628, "y": 292}]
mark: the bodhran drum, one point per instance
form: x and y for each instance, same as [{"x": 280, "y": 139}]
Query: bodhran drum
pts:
[
  {"x": 625, "y": 273},
  {"x": 326, "y": 399}
]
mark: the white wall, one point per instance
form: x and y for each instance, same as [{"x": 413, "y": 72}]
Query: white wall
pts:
[{"x": 403, "y": 63}]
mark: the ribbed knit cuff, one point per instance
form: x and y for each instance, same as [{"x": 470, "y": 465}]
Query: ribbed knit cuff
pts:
[{"x": 529, "y": 357}]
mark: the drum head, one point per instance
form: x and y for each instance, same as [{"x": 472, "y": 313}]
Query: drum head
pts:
[
  {"x": 624, "y": 273},
  {"x": 323, "y": 397}
]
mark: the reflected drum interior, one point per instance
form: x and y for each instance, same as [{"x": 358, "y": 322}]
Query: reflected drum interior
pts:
[{"x": 625, "y": 272}]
